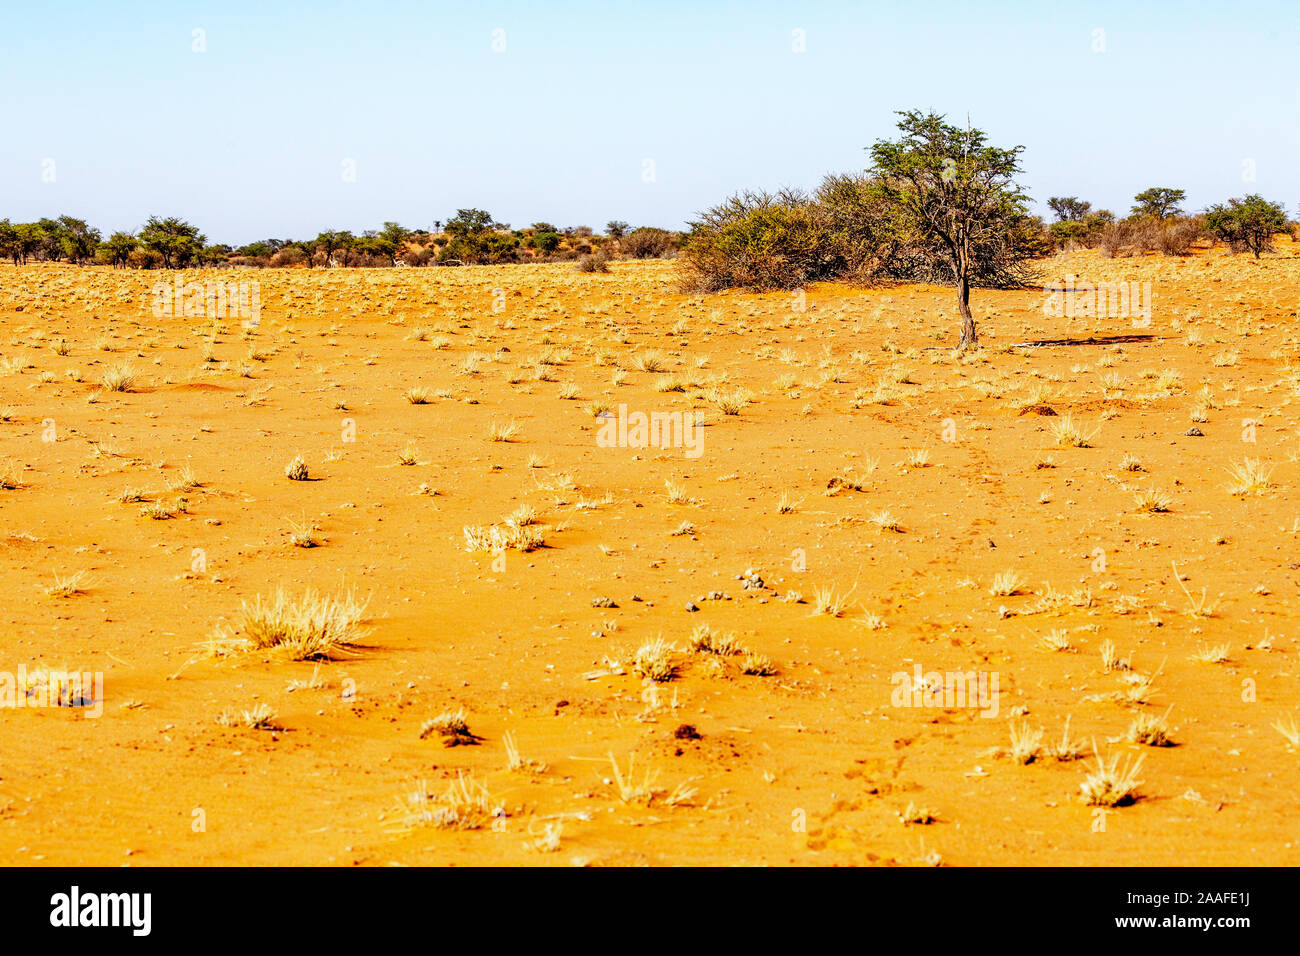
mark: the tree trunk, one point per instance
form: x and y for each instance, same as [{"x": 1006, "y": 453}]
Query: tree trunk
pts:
[{"x": 968, "y": 336}]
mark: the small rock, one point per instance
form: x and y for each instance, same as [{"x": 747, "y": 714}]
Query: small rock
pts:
[
  {"x": 691, "y": 606},
  {"x": 1194, "y": 432}
]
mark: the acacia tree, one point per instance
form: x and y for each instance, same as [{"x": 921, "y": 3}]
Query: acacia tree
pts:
[
  {"x": 1069, "y": 208},
  {"x": 948, "y": 190},
  {"x": 1160, "y": 202},
  {"x": 77, "y": 238},
  {"x": 1247, "y": 223},
  {"x": 175, "y": 240},
  {"x": 117, "y": 248}
]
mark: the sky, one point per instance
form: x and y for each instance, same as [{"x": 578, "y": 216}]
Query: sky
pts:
[{"x": 282, "y": 119}]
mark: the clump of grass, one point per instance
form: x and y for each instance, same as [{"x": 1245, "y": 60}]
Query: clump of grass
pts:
[
  {"x": 705, "y": 640},
  {"x": 1111, "y": 785},
  {"x": 494, "y": 539},
  {"x": 1152, "y": 730},
  {"x": 119, "y": 378},
  {"x": 1288, "y": 729},
  {"x": 303, "y": 534},
  {"x": 1110, "y": 660},
  {"x": 676, "y": 494},
  {"x": 885, "y": 521},
  {"x": 296, "y": 470},
  {"x": 732, "y": 402},
  {"x": 522, "y": 517},
  {"x": 757, "y": 665},
  {"x": 517, "y": 763},
  {"x": 312, "y": 626},
  {"x": 912, "y": 815},
  {"x": 648, "y": 361},
  {"x": 503, "y": 432},
  {"x": 829, "y": 601},
  {"x": 1138, "y": 688},
  {"x": 466, "y": 804},
  {"x": 416, "y": 395},
  {"x": 409, "y": 455},
  {"x": 643, "y": 790},
  {"x": 1250, "y": 476},
  {"x": 1131, "y": 463},
  {"x": 1026, "y": 743},
  {"x": 452, "y": 726},
  {"x": 1007, "y": 584},
  {"x": 157, "y": 511},
  {"x": 654, "y": 661},
  {"x": 1207, "y": 654},
  {"x": 9, "y": 476},
  {"x": 1057, "y": 640},
  {"x": 67, "y": 587},
  {"x": 1066, "y": 432},
  {"x": 786, "y": 504},
  {"x": 261, "y": 717},
  {"x": 1153, "y": 501},
  {"x": 1065, "y": 749}
]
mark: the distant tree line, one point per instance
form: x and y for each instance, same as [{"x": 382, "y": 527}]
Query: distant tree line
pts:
[
  {"x": 471, "y": 237},
  {"x": 1157, "y": 223}
]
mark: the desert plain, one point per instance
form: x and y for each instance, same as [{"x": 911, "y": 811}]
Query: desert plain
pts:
[{"x": 563, "y": 653}]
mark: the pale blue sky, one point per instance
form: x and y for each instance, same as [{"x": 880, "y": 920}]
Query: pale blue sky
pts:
[{"x": 248, "y": 139}]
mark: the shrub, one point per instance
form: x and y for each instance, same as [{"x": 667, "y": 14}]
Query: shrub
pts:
[
  {"x": 144, "y": 259},
  {"x": 597, "y": 262},
  {"x": 756, "y": 240},
  {"x": 1247, "y": 225},
  {"x": 648, "y": 242},
  {"x": 1172, "y": 236}
]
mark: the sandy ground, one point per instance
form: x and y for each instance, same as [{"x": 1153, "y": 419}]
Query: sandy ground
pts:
[{"x": 848, "y": 405}]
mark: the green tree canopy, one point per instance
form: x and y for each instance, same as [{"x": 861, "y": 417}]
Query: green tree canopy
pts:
[
  {"x": 1247, "y": 224},
  {"x": 946, "y": 187},
  {"x": 175, "y": 240},
  {"x": 1160, "y": 202}
]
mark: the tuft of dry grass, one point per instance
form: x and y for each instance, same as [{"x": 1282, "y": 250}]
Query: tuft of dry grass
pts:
[
  {"x": 1286, "y": 726},
  {"x": 67, "y": 587},
  {"x": 1112, "y": 785},
  {"x": 1153, "y": 501},
  {"x": 705, "y": 640},
  {"x": 311, "y": 626},
  {"x": 1249, "y": 476},
  {"x": 654, "y": 661},
  {"x": 261, "y": 717},
  {"x": 119, "y": 378},
  {"x": 495, "y": 539},
  {"x": 643, "y": 790},
  {"x": 452, "y": 726},
  {"x": 1007, "y": 584},
  {"x": 1066, "y": 432},
  {"x": 829, "y": 601},
  {"x": 1026, "y": 742},
  {"x": 466, "y": 804},
  {"x": 1152, "y": 730}
]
